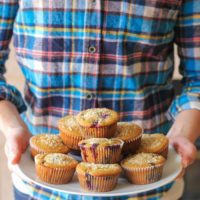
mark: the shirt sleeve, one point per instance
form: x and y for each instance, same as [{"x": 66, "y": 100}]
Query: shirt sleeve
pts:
[
  {"x": 187, "y": 37},
  {"x": 8, "y": 11}
]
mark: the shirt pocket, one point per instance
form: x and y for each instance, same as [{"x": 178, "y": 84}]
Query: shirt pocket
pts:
[{"x": 155, "y": 17}]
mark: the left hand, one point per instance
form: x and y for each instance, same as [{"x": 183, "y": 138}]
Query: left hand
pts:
[
  {"x": 183, "y": 135},
  {"x": 185, "y": 148}
]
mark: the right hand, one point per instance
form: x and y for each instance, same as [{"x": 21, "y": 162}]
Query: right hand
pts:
[
  {"x": 15, "y": 131},
  {"x": 16, "y": 143}
]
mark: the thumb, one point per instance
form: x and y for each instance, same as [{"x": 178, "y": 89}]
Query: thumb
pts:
[{"x": 13, "y": 150}]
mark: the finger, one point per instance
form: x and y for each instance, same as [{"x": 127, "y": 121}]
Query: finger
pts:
[
  {"x": 186, "y": 149},
  {"x": 13, "y": 151},
  {"x": 16, "y": 158},
  {"x": 13, "y": 168},
  {"x": 25, "y": 146},
  {"x": 187, "y": 158},
  {"x": 10, "y": 166},
  {"x": 25, "y": 141}
]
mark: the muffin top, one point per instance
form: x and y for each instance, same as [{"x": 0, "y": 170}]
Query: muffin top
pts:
[
  {"x": 142, "y": 160},
  {"x": 55, "y": 160},
  {"x": 153, "y": 143},
  {"x": 48, "y": 143},
  {"x": 100, "y": 142},
  {"x": 69, "y": 124},
  {"x": 128, "y": 130},
  {"x": 98, "y": 169},
  {"x": 97, "y": 117}
]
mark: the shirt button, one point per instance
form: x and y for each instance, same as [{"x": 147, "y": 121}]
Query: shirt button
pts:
[
  {"x": 90, "y": 96},
  {"x": 93, "y": 2},
  {"x": 92, "y": 49}
]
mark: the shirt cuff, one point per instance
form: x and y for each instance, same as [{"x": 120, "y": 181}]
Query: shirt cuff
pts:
[
  {"x": 10, "y": 93},
  {"x": 186, "y": 101}
]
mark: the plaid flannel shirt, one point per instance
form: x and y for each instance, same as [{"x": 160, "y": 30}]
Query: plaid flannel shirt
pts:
[{"x": 101, "y": 53}]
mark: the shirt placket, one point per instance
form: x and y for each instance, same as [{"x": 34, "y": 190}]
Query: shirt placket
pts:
[{"x": 92, "y": 52}]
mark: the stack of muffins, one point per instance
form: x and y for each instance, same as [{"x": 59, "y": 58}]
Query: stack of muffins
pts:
[
  {"x": 100, "y": 151},
  {"x": 107, "y": 147}
]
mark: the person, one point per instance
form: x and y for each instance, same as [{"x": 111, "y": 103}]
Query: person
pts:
[{"x": 116, "y": 54}]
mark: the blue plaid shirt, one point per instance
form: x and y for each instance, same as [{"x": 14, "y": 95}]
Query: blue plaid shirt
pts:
[{"x": 101, "y": 53}]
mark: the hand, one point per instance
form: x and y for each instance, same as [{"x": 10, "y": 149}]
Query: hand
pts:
[
  {"x": 16, "y": 144},
  {"x": 15, "y": 131},
  {"x": 184, "y": 133},
  {"x": 185, "y": 148}
]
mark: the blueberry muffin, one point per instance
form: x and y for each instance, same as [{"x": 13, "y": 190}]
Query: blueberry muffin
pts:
[
  {"x": 101, "y": 150},
  {"x": 131, "y": 134},
  {"x": 98, "y": 122},
  {"x": 70, "y": 131},
  {"x": 98, "y": 177},
  {"x": 154, "y": 143},
  {"x": 55, "y": 168},
  {"x": 143, "y": 168},
  {"x": 47, "y": 143}
]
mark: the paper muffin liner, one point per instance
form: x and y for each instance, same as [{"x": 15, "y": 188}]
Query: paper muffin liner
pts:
[
  {"x": 97, "y": 183},
  {"x": 132, "y": 145},
  {"x": 102, "y": 155},
  {"x": 145, "y": 175},
  {"x": 164, "y": 152},
  {"x": 99, "y": 132},
  {"x": 34, "y": 149},
  {"x": 71, "y": 140},
  {"x": 54, "y": 175}
]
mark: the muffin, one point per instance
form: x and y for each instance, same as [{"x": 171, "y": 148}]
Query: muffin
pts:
[
  {"x": 98, "y": 122},
  {"x": 70, "y": 132},
  {"x": 47, "y": 143},
  {"x": 131, "y": 134},
  {"x": 101, "y": 150},
  {"x": 98, "y": 177},
  {"x": 55, "y": 168},
  {"x": 143, "y": 168},
  {"x": 154, "y": 143}
]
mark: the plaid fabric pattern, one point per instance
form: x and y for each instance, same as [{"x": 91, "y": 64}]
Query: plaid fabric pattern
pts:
[
  {"x": 101, "y": 53},
  {"x": 39, "y": 193}
]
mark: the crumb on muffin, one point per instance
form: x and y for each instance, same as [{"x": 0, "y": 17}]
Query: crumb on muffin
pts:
[{"x": 97, "y": 117}]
